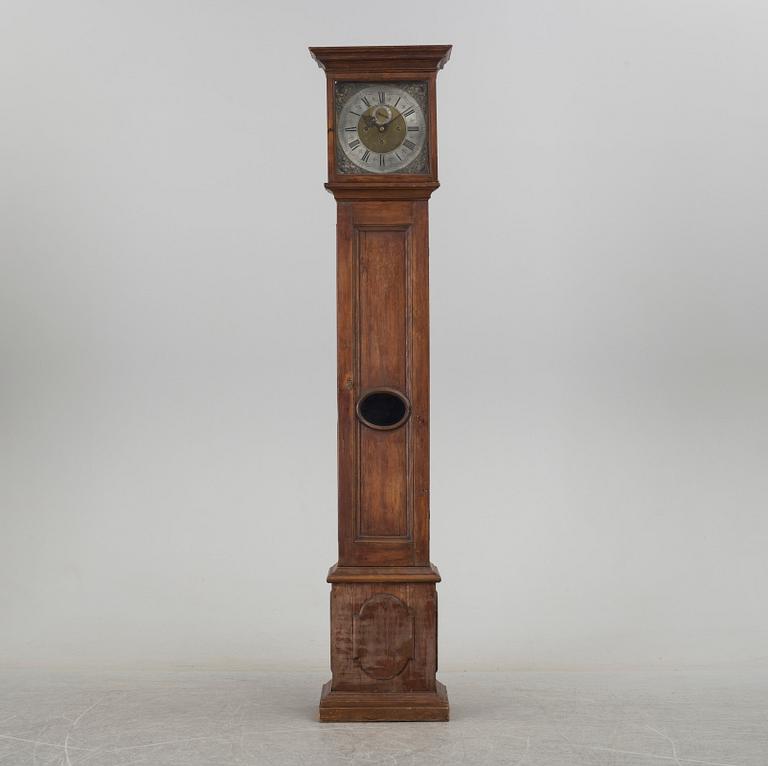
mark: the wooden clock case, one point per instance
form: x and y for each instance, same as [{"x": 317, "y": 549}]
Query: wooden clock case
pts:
[{"x": 383, "y": 595}]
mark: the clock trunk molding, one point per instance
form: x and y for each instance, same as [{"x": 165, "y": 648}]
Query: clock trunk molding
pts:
[{"x": 382, "y": 169}]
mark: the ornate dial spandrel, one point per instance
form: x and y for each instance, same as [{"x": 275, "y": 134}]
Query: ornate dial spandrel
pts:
[{"x": 381, "y": 127}]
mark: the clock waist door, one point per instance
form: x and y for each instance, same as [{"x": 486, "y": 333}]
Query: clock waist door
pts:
[{"x": 383, "y": 383}]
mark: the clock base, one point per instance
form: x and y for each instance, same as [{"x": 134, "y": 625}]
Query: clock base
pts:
[{"x": 338, "y": 706}]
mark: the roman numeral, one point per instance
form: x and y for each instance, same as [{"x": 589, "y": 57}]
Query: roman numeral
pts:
[
  {"x": 382, "y": 96},
  {"x": 409, "y": 144},
  {"x": 399, "y": 158},
  {"x": 398, "y": 101},
  {"x": 354, "y": 144},
  {"x": 353, "y": 128},
  {"x": 357, "y": 113},
  {"x": 409, "y": 112},
  {"x": 381, "y": 160},
  {"x": 365, "y": 100},
  {"x": 366, "y": 155},
  {"x": 410, "y": 127}
]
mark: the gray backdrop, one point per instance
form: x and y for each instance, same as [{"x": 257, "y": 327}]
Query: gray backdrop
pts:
[{"x": 600, "y": 370}]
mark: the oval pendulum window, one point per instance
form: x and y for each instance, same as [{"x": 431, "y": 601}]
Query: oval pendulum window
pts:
[{"x": 383, "y": 409}]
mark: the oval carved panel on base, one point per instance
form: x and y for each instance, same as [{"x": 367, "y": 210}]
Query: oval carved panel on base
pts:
[{"x": 383, "y": 636}]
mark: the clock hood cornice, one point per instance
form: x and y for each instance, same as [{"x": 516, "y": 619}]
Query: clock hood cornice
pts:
[{"x": 382, "y": 58}]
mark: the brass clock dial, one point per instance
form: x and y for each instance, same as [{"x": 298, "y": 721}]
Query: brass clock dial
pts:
[{"x": 381, "y": 128}]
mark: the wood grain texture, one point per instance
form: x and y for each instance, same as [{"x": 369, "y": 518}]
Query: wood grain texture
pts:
[
  {"x": 362, "y": 707},
  {"x": 350, "y": 191},
  {"x": 383, "y": 640},
  {"x": 374, "y": 59},
  {"x": 382, "y": 64},
  {"x": 383, "y": 340},
  {"x": 383, "y": 310},
  {"x": 383, "y": 595},
  {"x": 383, "y": 503},
  {"x": 383, "y": 315},
  {"x": 383, "y": 636},
  {"x": 339, "y": 573}
]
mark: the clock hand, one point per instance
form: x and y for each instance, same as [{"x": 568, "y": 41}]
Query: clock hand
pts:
[{"x": 383, "y": 115}]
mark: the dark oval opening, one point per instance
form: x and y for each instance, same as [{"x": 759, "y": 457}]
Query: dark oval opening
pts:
[{"x": 383, "y": 409}]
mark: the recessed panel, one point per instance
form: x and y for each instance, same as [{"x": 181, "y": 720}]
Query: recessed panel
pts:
[
  {"x": 383, "y": 636},
  {"x": 382, "y": 358}
]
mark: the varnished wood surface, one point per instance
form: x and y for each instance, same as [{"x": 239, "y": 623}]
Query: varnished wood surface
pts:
[
  {"x": 383, "y": 637},
  {"x": 371, "y": 190},
  {"x": 377, "y": 58},
  {"x": 381, "y": 64},
  {"x": 383, "y": 596},
  {"x": 361, "y": 707},
  {"x": 382, "y": 319},
  {"x": 383, "y": 574},
  {"x": 383, "y": 340},
  {"x": 349, "y": 603}
]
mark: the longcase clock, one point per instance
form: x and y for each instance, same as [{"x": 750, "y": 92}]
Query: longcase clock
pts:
[{"x": 382, "y": 169}]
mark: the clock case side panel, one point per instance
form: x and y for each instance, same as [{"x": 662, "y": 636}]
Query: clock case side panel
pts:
[
  {"x": 390, "y": 185},
  {"x": 357, "y": 223}
]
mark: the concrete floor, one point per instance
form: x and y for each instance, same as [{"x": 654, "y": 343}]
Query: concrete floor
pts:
[{"x": 517, "y": 719}]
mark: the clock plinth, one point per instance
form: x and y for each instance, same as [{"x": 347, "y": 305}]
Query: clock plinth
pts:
[
  {"x": 362, "y": 707},
  {"x": 382, "y": 169}
]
